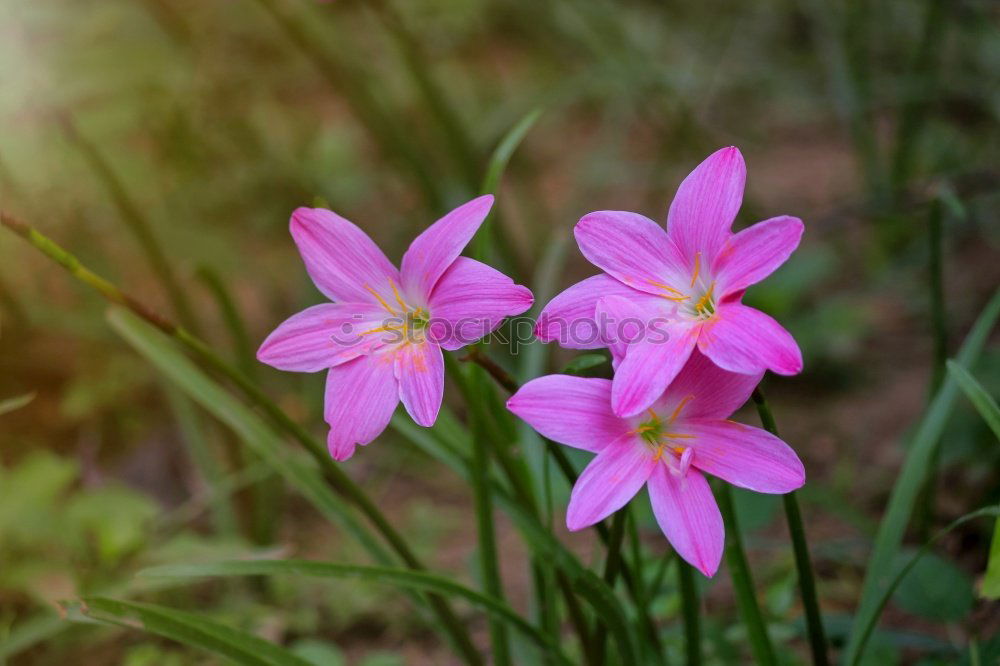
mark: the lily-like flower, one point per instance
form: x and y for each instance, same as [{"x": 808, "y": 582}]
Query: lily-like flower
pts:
[
  {"x": 381, "y": 337},
  {"x": 684, "y": 284},
  {"x": 684, "y": 433}
]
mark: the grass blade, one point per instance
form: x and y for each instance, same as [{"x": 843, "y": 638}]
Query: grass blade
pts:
[
  {"x": 739, "y": 571},
  {"x": 416, "y": 580},
  {"x": 987, "y": 408},
  {"x": 252, "y": 431},
  {"x": 882, "y": 599},
  {"x": 491, "y": 181},
  {"x": 800, "y": 547},
  {"x": 188, "y": 628},
  {"x": 907, "y": 486},
  {"x": 977, "y": 395}
]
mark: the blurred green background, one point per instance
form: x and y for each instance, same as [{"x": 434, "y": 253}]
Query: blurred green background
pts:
[{"x": 166, "y": 142}]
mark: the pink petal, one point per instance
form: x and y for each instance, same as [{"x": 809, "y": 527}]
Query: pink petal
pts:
[
  {"x": 744, "y": 456},
  {"x": 343, "y": 262},
  {"x": 649, "y": 366},
  {"x": 570, "y": 317},
  {"x": 420, "y": 371},
  {"x": 706, "y": 390},
  {"x": 689, "y": 517},
  {"x": 433, "y": 251},
  {"x": 631, "y": 248},
  {"x": 321, "y": 337},
  {"x": 609, "y": 481},
  {"x": 626, "y": 320},
  {"x": 470, "y": 300},
  {"x": 361, "y": 396},
  {"x": 575, "y": 411},
  {"x": 742, "y": 339},
  {"x": 754, "y": 253},
  {"x": 706, "y": 204}
]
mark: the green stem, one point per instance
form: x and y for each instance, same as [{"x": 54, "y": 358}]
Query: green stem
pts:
[
  {"x": 566, "y": 467},
  {"x": 739, "y": 570},
  {"x": 483, "y": 501},
  {"x": 137, "y": 223},
  {"x": 612, "y": 565},
  {"x": 689, "y": 607},
  {"x": 339, "y": 481},
  {"x": 803, "y": 563}
]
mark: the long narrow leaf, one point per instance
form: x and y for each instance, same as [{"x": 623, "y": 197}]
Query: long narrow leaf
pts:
[
  {"x": 416, "y": 580},
  {"x": 193, "y": 630},
  {"x": 904, "y": 492},
  {"x": 254, "y": 432},
  {"x": 883, "y": 598},
  {"x": 977, "y": 395}
]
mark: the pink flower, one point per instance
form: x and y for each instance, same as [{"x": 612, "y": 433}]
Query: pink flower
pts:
[
  {"x": 382, "y": 336},
  {"x": 684, "y": 433},
  {"x": 683, "y": 284}
]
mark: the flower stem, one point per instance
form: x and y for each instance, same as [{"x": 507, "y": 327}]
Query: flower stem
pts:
[
  {"x": 566, "y": 467},
  {"x": 483, "y": 500},
  {"x": 612, "y": 564},
  {"x": 803, "y": 563},
  {"x": 689, "y": 607},
  {"x": 739, "y": 570},
  {"x": 339, "y": 481}
]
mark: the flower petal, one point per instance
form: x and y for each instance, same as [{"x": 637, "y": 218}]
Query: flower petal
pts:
[
  {"x": 706, "y": 390},
  {"x": 321, "y": 337},
  {"x": 609, "y": 481},
  {"x": 420, "y": 371},
  {"x": 689, "y": 517},
  {"x": 742, "y": 339},
  {"x": 432, "y": 252},
  {"x": 470, "y": 300},
  {"x": 649, "y": 366},
  {"x": 744, "y": 456},
  {"x": 625, "y": 321},
  {"x": 343, "y": 262},
  {"x": 631, "y": 248},
  {"x": 706, "y": 204},
  {"x": 754, "y": 253},
  {"x": 575, "y": 411},
  {"x": 361, "y": 396},
  {"x": 570, "y": 318}
]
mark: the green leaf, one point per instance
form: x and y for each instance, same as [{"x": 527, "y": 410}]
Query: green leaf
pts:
[
  {"x": 188, "y": 628},
  {"x": 864, "y": 631},
  {"x": 508, "y": 144},
  {"x": 908, "y": 484},
  {"x": 17, "y": 402},
  {"x": 584, "y": 362},
  {"x": 977, "y": 395},
  {"x": 251, "y": 429},
  {"x": 935, "y": 588},
  {"x": 416, "y": 580},
  {"x": 991, "y": 581}
]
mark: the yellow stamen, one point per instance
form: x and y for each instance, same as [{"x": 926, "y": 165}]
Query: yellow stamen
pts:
[
  {"x": 659, "y": 453},
  {"x": 382, "y": 329},
  {"x": 395, "y": 293},
  {"x": 679, "y": 450},
  {"x": 702, "y": 305},
  {"x": 678, "y": 435},
  {"x": 382, "y": 300},
  {"x": 697, "y": 267},
  {"x": 679, "y": 407}
]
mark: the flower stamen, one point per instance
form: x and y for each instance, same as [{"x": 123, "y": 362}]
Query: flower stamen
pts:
[{"x": 382, "y": 300}]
